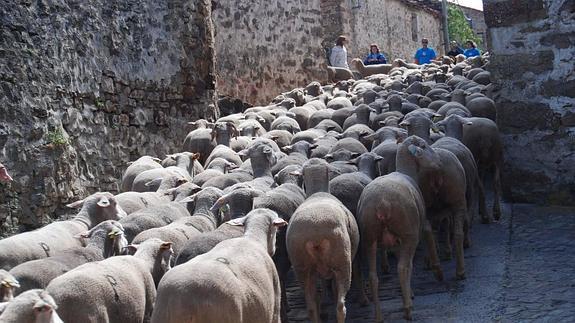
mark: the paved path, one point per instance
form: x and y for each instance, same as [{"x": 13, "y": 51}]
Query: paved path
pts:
[{"x": 520, "y": 269}]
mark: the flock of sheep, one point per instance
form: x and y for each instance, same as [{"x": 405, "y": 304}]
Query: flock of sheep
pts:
[{"x": 317, "y": 181}]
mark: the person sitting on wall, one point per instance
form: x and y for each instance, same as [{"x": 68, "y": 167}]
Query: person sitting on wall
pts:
[
  {"x": 424, "y": 55},
  {"x": 374, "y": 57},
  {"x": 455, "y": 50},
  {"x": 338, "y": 55},
  {"x": 471, "y": 50}
]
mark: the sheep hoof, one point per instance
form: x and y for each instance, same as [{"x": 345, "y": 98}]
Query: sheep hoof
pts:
[
  {"x": 486, "y": 220},
  {"x": 439, "y": 274},
  {"x": 407, "y": 314}
]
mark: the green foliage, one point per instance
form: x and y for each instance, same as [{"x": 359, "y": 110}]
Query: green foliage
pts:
[
  {"x": 57, "y": 138},
  {"x": 459, "y": 29},
  {"x": 99, "y": 102}
]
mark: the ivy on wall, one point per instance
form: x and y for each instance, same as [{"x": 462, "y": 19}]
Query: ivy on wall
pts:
[{"x": 458, "y": 26}]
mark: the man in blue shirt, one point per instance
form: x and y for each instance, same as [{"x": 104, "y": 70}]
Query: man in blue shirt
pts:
[
  {"x": 471, "y": 49},
  {"x": 424, "y": 55}
]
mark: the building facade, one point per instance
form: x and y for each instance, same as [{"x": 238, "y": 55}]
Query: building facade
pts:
[{"x": 266, "y": 47}]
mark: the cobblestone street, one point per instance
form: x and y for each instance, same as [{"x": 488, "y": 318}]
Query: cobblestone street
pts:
[{"x": 520, "y": 269}]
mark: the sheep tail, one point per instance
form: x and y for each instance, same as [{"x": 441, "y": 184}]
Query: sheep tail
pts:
[{"x": 319, "y": 253}]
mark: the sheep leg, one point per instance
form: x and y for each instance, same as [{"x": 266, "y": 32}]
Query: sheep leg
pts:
[
  {"x": 432, "y": 250},
  {"x": 343, "y": 281},
  {"x": 466, "y": 237},
  {"x": 496, "y": 193},
  {"x": 357, "y": 281},
  {"x": 373, "y": 280},
  {"x": 458, "y": 239},
  {"x": 404, "y": 269},
  {"x": 384, "y": 261},
  {"x": 311, "y": 296},
  {"x": 284, "y": 303},
  {"x": 485, "y": 218},
  {"x": 447, "y": 250}
]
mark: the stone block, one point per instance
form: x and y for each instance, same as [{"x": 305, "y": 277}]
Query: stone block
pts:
[
  {"x": 559, "y": 40},
  {"x": 107, "y": 85},
  {"x": 506, "y": 13},
  {"x": 512, "y": 67},
  {"x": 552, "y": 88},
  {"x": 518, "y": 117},
  {"x": 568, "y": 120}
]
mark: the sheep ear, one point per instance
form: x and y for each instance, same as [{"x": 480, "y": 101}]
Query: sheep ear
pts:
[
  {"x": 279, "y": 222},
  {"x": 243, "y": 153},
  {"x": 82, "y": 235},
  {"x": 115, "y": 232},
  {"x": 257, "y": 193},
  {"x": 76, "y": 204},
  {"x": 166, "y": 245},
  {"x": 192, "y": 123},
  {"x": 414, "y": 150},
  {"x": 287, "y": 148},
  {"x": 351, "y": 162},
  {"x": 9, "y": 282},
  {"x": 370, "y": 137},
  {"x": 404, "y": 123},
  {"x": 153, "y": 182},
  {"x": 268, "y": 150},
  {"x": 103, "y": 202},
  {"x": 274, "y": 138},
  {"x": 42, "y": 306},
  {"x": 355, "y": 155},
  {"x": 196, "y": 156},
  {"x": 181, "y": 181},
  {"x": 313, "y": 146},
  {"x": 219, "y": 203},
  {"x": 189, "y": 199},
  {"x": 156, "y": 159},
  {"x": 378, "y": 158},
  {"x": 296, "y": 173},
  {"x": 238, "y": 222},
  {"x": 132, "y": 248}
]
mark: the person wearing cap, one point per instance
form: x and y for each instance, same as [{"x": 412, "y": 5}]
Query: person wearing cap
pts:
[
  {"x": 471, "y": 50},
  {"x": 374, "y": 56},
  {"x": 455, "y": 50},
  {"x": 424, "y": 55},
  {"x": 338, "y": 55}
]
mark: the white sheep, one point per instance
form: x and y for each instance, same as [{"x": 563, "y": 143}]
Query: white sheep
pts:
[
  {"x": 368, "y": 70},
  {"x": 235, "y": 282}
]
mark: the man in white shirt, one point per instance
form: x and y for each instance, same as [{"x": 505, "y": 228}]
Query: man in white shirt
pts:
[{"x": 338, "y": 56}]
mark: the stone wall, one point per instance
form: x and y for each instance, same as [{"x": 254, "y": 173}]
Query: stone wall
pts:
[
  {"x": 533, "y": 50},
  {"x": 396, "y": 26},
  {"x": 266, "y": 47},
  {"x": 86, "y": 86}
]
